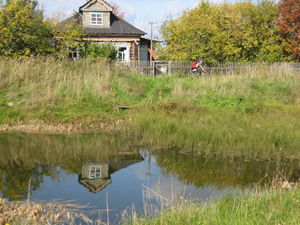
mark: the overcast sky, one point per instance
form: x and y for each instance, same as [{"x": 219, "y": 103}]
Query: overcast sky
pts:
[{"x": 137, "y": 12}]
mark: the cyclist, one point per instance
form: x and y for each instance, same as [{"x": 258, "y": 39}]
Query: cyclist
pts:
[{"x": 197, "y": 66}]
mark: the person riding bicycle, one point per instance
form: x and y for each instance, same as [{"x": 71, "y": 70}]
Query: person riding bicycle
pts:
[{"x": 197, "y": 66}]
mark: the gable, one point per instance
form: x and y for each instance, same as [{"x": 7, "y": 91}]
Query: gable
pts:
[
  {"x": 96, "y": 6},
  {"x": 107, "y": 23}
]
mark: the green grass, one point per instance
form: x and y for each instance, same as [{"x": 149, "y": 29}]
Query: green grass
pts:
[
  {"x": 254, "y": 114},
  {"x": 263, "y": 207},
  {"x": 88, "y": 87}
]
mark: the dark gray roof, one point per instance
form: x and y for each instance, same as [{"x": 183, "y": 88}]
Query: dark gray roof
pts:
[
  {"x": 117, "y": 26},
  {"x": 77, "y": 18}
]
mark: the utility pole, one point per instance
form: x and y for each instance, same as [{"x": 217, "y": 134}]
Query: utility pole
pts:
[
  {"x": 151, "y": 51},
  {"x": 151, "y": 24}
]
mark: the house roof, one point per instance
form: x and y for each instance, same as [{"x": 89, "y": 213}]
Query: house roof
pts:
[
  {"x": 95, "y": 185},
  {"x": 118, "y": 26}
]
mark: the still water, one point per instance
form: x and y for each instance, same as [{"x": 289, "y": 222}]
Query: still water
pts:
[{"x": 100, "y": 171}]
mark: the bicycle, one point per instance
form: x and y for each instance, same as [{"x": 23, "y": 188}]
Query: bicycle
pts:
[{"x": 198, "y": 71}]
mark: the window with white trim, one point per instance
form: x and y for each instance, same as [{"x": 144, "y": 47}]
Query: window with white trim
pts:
[
  {"x": 96, "y": 18},
  {"x": 95, "y": 172}
]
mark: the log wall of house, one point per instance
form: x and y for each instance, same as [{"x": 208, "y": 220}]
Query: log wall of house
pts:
[{"x": 134, "y": 51}]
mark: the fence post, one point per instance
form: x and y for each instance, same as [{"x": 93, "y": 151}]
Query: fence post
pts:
[
  {"x": 170, "y": 67},
  {"x": 153, "y": 68}
]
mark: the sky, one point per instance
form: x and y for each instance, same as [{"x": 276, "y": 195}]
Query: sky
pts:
[{"x": 137, "y": 12}]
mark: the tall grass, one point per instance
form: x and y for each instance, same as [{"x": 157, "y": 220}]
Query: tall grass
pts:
[
  {"x": 261, "y": 207},
  {"x": 47, "y": 82},
  {"x": 255, "y": 112}
]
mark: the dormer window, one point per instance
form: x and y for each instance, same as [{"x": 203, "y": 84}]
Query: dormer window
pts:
[{"x": 96, "y": 18}]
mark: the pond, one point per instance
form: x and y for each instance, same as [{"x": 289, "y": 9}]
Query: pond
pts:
[{"x": 100, "y": 171}]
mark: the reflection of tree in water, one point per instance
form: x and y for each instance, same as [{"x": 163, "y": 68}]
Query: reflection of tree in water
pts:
[
  {"x": 33, "y": 156},
  {"x": 15, "y": 177},
  {"x": 25, "y": 156},
  {"x": 221, "y": 173}
]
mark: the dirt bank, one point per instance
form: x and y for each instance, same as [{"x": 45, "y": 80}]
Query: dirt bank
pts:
[{"x": 45, "y": 128}]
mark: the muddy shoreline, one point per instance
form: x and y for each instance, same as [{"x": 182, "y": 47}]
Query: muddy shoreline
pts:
[{"x": 39, "y": 127}]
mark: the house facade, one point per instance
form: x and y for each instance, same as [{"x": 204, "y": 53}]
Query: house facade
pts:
[{"x": 103, "y": 26}]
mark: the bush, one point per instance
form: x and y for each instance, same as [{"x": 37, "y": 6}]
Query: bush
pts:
[{"x": 101, "y": 50}]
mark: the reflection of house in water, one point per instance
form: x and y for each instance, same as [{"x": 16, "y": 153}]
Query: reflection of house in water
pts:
[{"x": 96, "y": 176}]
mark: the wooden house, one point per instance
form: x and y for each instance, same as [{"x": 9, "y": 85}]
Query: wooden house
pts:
[{"x": 103, "y": 26}]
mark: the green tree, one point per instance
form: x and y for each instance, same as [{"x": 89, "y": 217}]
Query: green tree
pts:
[
  {"x": 22, "y": 30},
  {"x": 243, "y": 31},
  {"x": 253, "y": 32},
  {"x": 68, "y": 35}
]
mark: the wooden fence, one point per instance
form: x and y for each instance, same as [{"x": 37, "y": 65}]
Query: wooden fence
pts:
[{"x": 183, "y": 67}]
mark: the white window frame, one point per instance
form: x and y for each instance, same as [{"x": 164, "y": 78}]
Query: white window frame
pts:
[
  {"x": 98, "y": 16},
  {"x": 123, "y": 53},
  {"x": 95, "y": 172}
]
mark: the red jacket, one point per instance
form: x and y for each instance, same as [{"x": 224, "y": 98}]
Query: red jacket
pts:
[{"x": 193, "y": 66}]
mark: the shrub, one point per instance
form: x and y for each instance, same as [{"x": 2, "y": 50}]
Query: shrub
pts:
[{"x": 101, "y": 50}]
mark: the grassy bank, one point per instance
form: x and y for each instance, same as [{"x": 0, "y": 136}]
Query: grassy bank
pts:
[
  {"x": 254, "y": 114},
  {"x": 271, "y": 206},
  {"x": 262, "y": 207}
]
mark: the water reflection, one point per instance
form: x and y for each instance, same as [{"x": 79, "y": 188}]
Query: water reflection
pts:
[
  {"x": 15, "y": 175},
  {"x": 89, "y": 167},
  {"x": 224, "y": 173},
  {"x": 35, "y": 157},
  {"x": 96, "y": 176}
]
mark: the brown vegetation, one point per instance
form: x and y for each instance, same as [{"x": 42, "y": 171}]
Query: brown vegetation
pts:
[{"x": 24, "y": 212}]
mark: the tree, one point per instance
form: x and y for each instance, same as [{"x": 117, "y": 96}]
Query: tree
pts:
[
  {"x": 253, "y": 31},
  {"x": 289, "y": 24},
  {"x": 242, "y": 31},
  {"x": 68, "y": 36},
  {"x": 22, "y": 29},
  {"x": 101, "y": 50},
  {"x": 116, "y": 10}
]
